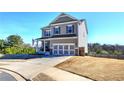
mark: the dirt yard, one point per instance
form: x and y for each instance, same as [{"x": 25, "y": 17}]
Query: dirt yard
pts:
[{"x": 95, "y": 68}]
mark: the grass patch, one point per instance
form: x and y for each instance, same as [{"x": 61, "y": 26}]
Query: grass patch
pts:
[{"x": 95, "y": 68}]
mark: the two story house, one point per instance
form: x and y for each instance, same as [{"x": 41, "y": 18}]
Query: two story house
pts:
[{"x": 65, "y": 35}]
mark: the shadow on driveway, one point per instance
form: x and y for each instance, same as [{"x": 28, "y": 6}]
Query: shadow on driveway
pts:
[{"x": 6, "y": 77}]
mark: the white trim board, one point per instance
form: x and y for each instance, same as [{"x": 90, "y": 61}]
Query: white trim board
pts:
[
  {"x": 63, "y": 23},
  {"x": 59, "y": 38},
  {"x": 63, "y": 43}
]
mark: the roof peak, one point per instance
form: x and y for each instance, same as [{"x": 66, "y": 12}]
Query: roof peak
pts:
[
  {"x": 62, "y": 14},
  {"x": 63, "y": 17}
]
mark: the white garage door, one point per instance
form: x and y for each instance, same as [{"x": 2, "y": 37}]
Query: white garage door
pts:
[{"x": 63, "y": 49}]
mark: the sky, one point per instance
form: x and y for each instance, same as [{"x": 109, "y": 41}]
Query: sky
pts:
[{"x": 103, "y": 27}]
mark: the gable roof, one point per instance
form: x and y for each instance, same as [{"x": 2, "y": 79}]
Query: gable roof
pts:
[
  {"x": 62, "y": 14},
  {"x": 63, "y": 18}
]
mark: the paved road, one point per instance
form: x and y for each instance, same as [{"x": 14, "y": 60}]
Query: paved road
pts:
[{"x": 6, "y": 77}]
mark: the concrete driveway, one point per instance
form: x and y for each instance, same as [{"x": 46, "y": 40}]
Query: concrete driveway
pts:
[
  {"x": 39, "y": 68},
  {"x": 49, "y": 61}
]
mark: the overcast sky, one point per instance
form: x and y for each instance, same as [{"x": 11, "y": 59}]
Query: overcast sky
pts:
[{"x": 103, "y": 27}]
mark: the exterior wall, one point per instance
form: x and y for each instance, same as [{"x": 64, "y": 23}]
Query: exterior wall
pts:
[
  {"x": 80, "y": 30},
  {"x": 63, "y": 28},
  {"x": 82, "y": 36},
  {"x": 64, "y": 41}
]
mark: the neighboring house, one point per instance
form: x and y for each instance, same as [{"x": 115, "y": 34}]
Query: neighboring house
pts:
[{"x": 65, "y": 35}]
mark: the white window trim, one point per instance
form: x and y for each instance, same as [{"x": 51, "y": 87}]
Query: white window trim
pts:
[
  {"x": 58, "y": 28},
  {"x": 69, "y": 25},
  {"x": 71, "y": 32},
  {"x": 63, "y": 43}
]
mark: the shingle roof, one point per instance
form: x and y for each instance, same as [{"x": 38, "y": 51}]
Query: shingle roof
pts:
[
  {"x": 63, "y": 18},
  {"x": 62, "y": 14},
  {"x": 46, "y": 27}
]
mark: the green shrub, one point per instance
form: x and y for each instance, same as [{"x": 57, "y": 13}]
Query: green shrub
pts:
[
  {"x": 19, "y": 50},
  {"x": 104, "y": 52},
  {"x": 118, "y": 52}
]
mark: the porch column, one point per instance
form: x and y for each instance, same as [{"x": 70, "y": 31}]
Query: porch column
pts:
[
  {"x": 36, "y": 45},
  {"x": 44, "y": 47},
  {"x": 33, "y": 42}
]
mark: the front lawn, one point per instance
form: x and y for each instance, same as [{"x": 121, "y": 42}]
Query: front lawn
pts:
[{"x": 95, "y": 68}]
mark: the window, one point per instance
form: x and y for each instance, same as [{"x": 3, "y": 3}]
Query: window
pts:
[
  {"x": 66, "y": 47},
  {"x": 70, "y": 28},
  {"x": 47, "y": 33},
  {"x": 57, "y": 30},
  {"x": 65, "y": 52},
  {"x": 60, "y": 47},
  {"x": 71, "y": 52},
  {"x": 71, "y": 46},
  {"x": 60, "y": 52},
  {"x": 55, "y": 52},
  {"x": 55, "y": 47}
]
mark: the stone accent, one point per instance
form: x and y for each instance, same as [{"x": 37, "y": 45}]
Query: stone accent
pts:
[{"x": 81, "y": 51}]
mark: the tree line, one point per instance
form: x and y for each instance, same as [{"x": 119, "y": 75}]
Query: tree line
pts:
[
  {"x": 14, "y": 44},
  {"x": 106, "y": 49}
]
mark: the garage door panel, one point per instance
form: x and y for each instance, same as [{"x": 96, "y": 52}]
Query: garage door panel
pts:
[
  {"x": 72, "y": 52},
  {"x": 66, "y": 52},
  {"x": 63, "y": 49}
]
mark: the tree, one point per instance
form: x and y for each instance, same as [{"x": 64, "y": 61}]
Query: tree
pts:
[
  {"x": 14, "y": 40},
  {"x": 106, "y": 49},
  {"x": 2, "y": 45},
  {"x": 116, "y": 52},
  {"x": 14, "y": 45}
]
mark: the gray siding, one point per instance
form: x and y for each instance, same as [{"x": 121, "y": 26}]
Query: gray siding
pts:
[
  {"x": 63, "y": 28},
  {"x": 64, "y": 41}
]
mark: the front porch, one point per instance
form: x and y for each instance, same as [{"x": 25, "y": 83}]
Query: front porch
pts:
[
  {"x": 41, "y": 46},
  {"x": 61, "y": 47}
]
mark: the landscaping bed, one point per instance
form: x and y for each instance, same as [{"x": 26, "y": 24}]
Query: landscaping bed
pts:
[
  {"x": 95, "y": 68},
  {"x": 19, "y": 56}
]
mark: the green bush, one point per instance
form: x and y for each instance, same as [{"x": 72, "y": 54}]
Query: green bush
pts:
[
  {"x": 19, "y": 50},
  {"x": 104, "y": 52},
  {"x": 118, "y": 52}
]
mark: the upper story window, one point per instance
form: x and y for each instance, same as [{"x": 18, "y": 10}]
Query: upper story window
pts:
[
  {"x": 70, "y": 29},
  {"x": 56, "y": 30},
  {"x": 47, "y": 33}
]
